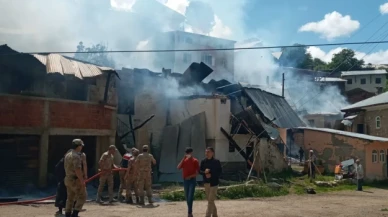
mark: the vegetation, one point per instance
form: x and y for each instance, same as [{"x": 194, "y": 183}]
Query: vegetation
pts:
[
  {"x": 288, "y": 184},
  {"x": 101, "y": 59}
]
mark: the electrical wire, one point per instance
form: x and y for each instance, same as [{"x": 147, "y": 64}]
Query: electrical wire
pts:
[{"x": 207, "y": 49}]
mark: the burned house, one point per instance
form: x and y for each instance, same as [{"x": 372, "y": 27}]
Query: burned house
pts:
[
  {"x": 47, "y": 101},
  {"x": 187, "y": 112}
]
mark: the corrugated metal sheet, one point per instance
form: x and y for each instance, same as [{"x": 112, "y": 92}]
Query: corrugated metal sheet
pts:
[
  {"x": 274, "y": 108},
  {"x": 56, "y": 63},
  {"x": 366, "y": 72},
  {"x": 376, "y": 100},
  {"x": 345, "y": 133}
]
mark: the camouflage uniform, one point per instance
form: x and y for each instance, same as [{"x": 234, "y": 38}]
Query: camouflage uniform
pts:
[
  {"x": 143, "y": 165},
  {"x": 73, "y": 161},
  {"x": 107, "y": 164},
  {"x": 131, "y": 179}
]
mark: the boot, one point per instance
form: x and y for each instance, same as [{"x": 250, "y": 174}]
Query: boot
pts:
[
  {"x": 141, "y": 202},
  {"x": 129, "y": 200},
  {"x": 150, "y": 201},
  {"x": 75, "y": 213},
  {"x": 98, "y": 199},
  {"x": 68, "y": 214}
]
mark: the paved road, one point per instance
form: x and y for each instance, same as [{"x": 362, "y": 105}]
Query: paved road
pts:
[{"x": 346, "y": 203}]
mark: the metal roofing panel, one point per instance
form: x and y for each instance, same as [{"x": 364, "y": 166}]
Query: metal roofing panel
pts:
[
  {"x": 366, "y": 72},
  {"x": 53, "y": 64},
  {"x": 67, "y": 66},
  {"x": 329, "y": 79},
  {"x": 275, "y": 108},
  {"x": 376, "y": 100},
  {"x": 345, "y": 133},
  {"x": 41, "y": 58}
]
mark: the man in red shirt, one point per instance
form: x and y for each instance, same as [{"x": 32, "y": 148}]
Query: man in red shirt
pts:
[{"x": 190, "y": 168}]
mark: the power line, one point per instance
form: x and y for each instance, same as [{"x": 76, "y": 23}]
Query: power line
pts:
[{"x": 197, "y": 50}]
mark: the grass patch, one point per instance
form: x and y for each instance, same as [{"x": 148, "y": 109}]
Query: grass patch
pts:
[{"x": 384, "y": 210}]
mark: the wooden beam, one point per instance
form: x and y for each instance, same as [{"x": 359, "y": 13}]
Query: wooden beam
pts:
[{"x": 233, "y": 143}]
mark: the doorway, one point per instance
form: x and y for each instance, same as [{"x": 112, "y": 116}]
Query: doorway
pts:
[{"x": 360, "y": 128}]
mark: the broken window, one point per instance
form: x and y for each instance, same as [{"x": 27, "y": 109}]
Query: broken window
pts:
[
  {"x": 382, "y": 156},
  {"x": 378, "y": 122},
  {"x": 374, "y": 156}
]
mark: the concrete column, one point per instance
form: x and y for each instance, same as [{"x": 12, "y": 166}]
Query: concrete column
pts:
[{"x": 43, "y": 147}]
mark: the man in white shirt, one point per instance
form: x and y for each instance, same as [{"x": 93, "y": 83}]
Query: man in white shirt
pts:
[{"x": 359, "y": 175}]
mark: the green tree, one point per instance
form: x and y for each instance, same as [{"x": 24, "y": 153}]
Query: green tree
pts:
[
  {"x": 98, "y": 58},
  {"x": 345, "y": 61},
  {"x": 319, "y": 65},
  {"x": 296, "y": 57}
]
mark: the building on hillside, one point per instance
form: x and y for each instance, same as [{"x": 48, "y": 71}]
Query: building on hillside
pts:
[
  {"x": 373, "y": 81},
  {"x": 323, "y": 120},
  {"x": 46, "y": 102},
  {"x": 331, "y": 81},
  {"x": 222, "y": 62},
  {"x": 369, "y": 116},
  {"x": 357, "y": 95},
  {"x": 334, "y": 146}
]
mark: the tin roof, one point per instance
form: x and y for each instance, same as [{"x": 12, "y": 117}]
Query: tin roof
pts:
[
  {"x": 366, "y": 72},
  {"x": 56, "y": 63},
  {"x": 329, "y": 79},
  {"x": 274, "y": 108},
  {"x": 373, "y": 101},
  {"x": 345, "y": 133}
]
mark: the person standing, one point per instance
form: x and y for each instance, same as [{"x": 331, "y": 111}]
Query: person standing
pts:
[
  {"x": 301, "y": 154},
  {"x": 74, "y": 180},
  {"x": 123, "y": 182},
  {"x": 190, "y": 168},
  {"x": 359, "y": 175},
  {"x": 143, "y": 165},
  {"x": 61, "y": 196},
  {"x": 311, "y": 166},
  {"x": 211, "y": 171},
  {"x": 130, "y": 178},
  {"x": 106, "y": 165}
]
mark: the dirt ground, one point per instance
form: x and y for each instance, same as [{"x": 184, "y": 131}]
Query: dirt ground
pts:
[{"x": 345, "y": 203}]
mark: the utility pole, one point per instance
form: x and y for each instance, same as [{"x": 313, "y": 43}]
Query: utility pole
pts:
[{"x": 283, "y": 84}]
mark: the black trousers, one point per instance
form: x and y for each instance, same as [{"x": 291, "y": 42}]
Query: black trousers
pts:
[
  {"x": 61, "y": 197},
  {"x": 312, "y": 171}
]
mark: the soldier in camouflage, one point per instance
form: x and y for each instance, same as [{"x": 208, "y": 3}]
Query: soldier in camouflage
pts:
[
  {"x": 123, "y": 182},
  {"x": 130, "y": 178},
  {"x": 74, "y": 180},
  {"x": 143, "y": 164},
  {"x": 106, "y": 165}
]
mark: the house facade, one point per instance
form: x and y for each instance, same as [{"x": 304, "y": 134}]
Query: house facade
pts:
[
  {"x": 334, "y": 146},
  {"x": 222, "y": 62},
  {"x": 369, "y": 116},
  {"x": 373, "y": 81},
  {"x": 322, "y": 120},
  {"x": 47, "y": 101}
]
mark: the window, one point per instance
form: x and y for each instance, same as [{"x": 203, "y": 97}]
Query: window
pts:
[
  {"x": 187, "y": 58},
  {"x": 311, "y": 123},
  {"x": 350, "y": 81},
  {"x": 378, "y": 122},
  {"x": 378, "y": 80},
  {"x": 208, "y": 59},
  {"x": 382, "y": 156},
  {"x": 363, "y": 81},
  {"x": 374, "y": 156}
]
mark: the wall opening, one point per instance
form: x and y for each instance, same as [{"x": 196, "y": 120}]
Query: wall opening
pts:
[{"x": 59, "y": 145}]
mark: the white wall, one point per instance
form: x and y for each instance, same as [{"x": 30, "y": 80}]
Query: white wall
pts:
[{"x": 370, "y": 84}]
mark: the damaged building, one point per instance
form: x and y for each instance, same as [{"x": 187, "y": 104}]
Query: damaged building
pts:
[
  {"x": 47, "y": 101},
  {"x": 238, "y": 121}
]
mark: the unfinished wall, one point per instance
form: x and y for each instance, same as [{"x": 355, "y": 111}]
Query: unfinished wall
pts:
[
  {"x": 268, "y": 156},
  {"x": 376, "y": 170},
  {"x": 370, "y": 121},
  {"x": 332, "y": 148}
]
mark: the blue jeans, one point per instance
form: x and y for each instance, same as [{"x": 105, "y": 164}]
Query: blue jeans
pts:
[
  {"x": 189, "y": 186},
  {"x": 359, "y": 184}
]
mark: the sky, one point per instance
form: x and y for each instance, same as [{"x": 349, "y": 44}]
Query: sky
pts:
[
  {"x": 57, "y": 25},
  {"x": 285, "y": 22}
]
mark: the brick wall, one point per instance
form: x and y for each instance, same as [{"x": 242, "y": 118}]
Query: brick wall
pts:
[
  {"x": 370, "y": 122},
  {"x": 79, "y": 115},
  {"x": 21, "y": 112}
]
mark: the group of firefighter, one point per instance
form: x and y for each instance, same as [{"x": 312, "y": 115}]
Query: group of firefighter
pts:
[{"x": 71, "y": 173}]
